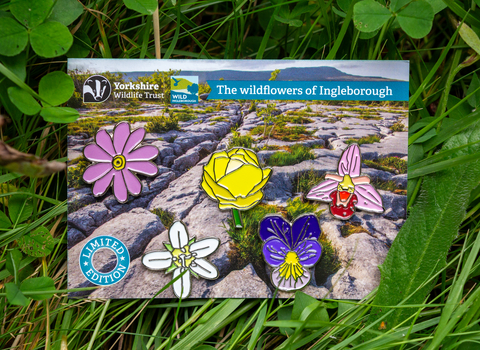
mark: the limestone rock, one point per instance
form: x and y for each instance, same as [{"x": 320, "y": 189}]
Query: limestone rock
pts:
[{"x": 89, "y": 218}]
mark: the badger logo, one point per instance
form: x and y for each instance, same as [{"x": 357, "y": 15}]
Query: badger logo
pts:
[{"x": 96, "y": 88}]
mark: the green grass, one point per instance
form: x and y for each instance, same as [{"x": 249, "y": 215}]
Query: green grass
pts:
[
  {"x": 167, "y": 218},
  {"x": 295, "y": 155},
  {"x": 391, "y": 164},
  {"x": 237, "y": 140},
  {"x": 363, "y": 140},
  {"x": 398, "y": 126},
  {"x": 283, "y": 132},
  {"x": 428, "y": 301},
  {"x": 161, "y": 124}
]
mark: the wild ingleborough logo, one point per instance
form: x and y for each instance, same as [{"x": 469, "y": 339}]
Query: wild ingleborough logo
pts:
[
  {"x": 96, "y": 88},
  {"x": 184, "y": 89}
]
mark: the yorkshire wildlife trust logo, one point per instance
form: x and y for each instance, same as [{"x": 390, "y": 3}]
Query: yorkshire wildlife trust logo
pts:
[
  {"x": 184, "y": 89},
  {"x": 96, "y": 88},
  {"x": 104, "y": 278}
]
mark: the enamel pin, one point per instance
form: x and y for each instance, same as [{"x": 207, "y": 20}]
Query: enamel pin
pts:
[
  {"x": 290, "y": 249},
  {"x": 235, "y": 180},
  {"x": 184, "y": 256},
  {"x": 116, "y": 161},
  {"x": 348, "y": 190}
]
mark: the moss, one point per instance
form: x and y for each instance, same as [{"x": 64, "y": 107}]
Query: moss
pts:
[
  {"x": 184, "y": 117},
  {"x": 391, "y": 164},
  {"x": 162, "y": 123},
  {"x": 220, "y": 119},
  {"x": 75, "y": 174},
  {"x": 283, "y": 132},
  {"x": 167, "y": 218},
  {"x": 350, "y": 228},
  {"x": 346, "y": 128},
  {"x": 297, "y": 154},
  {"x": 363, "y": 140},
  {"x": 397, "y": 127},
  {"x": 77, "y": 160}
]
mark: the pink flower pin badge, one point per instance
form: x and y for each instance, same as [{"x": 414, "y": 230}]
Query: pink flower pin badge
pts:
[
  {"x": 348, "y": 190},
  {"x": 117, "y": 160}
]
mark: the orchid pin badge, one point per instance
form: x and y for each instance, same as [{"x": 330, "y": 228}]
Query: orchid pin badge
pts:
[
  {"x": 347, "y": 190},
  {"x": 184, "y": 256},
  {"x": 117, "y": 159}
]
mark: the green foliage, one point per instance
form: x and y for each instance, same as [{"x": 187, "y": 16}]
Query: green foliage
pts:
[
  {"x": 363, "y": 140},
  {"x": 391, "y": 164},
  {"x": 296, "y": 154},
  {"x": 397, "y": 127},
  {"x": 162, "y": 123},
  {"x": 295, "y": 207},
  {"x": 75, "y": 174},
  {"x": 38, "y": 243},
  {"x": 145, "y": 7},
  {"x": 167, "y": 218},
  {"x": 305, "y": 181},
  {"x": 240, "y": 141}
]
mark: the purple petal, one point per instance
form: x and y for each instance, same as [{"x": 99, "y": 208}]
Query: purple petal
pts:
[
  {"x": 368, "y": 198},
  {"x": 274, "y": 251},
  {"x": 119, "y": 187},
  {"x": 278, "y": 227},
  {"x": 103, "y": 184},
  {"x": 305, "y": 227},
  {"x": 134, "y": 185},
  {"x": 351, "y": 161},
  {"x": 104, "y": 140},
  {"x": 134, "y": 139},
  {"x": 322, "y": 191},
  {"x": 95, "y": 153},
  {"x": 143, "y": 153},
  {"x": 144, "y": 168},
  {"x": 290, "y": 284},
  {"x": 120, "y": 136},
  {"x": 309, "y": 252},
  {"x": 96, "y": 171}
]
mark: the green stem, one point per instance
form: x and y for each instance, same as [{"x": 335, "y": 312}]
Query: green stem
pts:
[{"x": 237, "y": 218}]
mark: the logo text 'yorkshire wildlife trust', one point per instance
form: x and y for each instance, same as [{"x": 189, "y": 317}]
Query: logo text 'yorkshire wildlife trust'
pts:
[
  {"x": 184, "y": 89},
  {"x": 96, "y": 88}
]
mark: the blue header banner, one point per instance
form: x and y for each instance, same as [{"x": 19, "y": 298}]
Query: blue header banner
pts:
[{"x": 308, "y": 90}]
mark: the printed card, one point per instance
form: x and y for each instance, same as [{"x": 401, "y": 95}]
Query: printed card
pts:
[{"x": 234, "y": 178}]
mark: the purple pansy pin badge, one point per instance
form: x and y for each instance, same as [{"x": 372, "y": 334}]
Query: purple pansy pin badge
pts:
[
  {"x": 290, "y": 249},
  {"x": 348, "y": 190},
  {"x": 117, "y": 160}
]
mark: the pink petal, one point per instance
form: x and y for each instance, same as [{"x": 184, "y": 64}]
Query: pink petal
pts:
[
  {"x": 104, "y": 140},
  {"x": 95, "y": 153},
  {"x": 351, "y": 162},
  {"x": 120, "y": 136},
  {"x": 368, "y": 198},
  {"x": 142, "y": 153},
  {"x": 96, "y": 171},
  {"x": 322, "y": 191},
  {"x": 103, "y": 184},
  {"x": 119, "y": 187},
  {"x": 134, "y": 185},
  {"x": 135, "y": 138},
  {"x": 144, "y": 168}
]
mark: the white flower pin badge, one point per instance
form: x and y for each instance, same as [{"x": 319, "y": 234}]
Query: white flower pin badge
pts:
[{"x": 184, "y": 255}]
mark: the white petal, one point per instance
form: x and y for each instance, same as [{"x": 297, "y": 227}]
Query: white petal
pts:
[
  {"x": 205, "y": 247},
  {"x": 205, "y": 269},
  {"x": 157, "y": 260},
  {"x": 178, "y": 235},
  {"x": 181, "y": 287},
  {"x": 290, "y": 284}
]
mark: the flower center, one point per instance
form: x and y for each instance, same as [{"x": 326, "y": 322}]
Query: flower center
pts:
[
  {"x": 346, "y": 185},
  {"x": 182, "y": 257},
  {"x": 118, "y": 162},
  {"x": 291, "y": 267}
]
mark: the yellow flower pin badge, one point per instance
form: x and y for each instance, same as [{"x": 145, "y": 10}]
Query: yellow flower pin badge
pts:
[{"x": 235, "y": 180}]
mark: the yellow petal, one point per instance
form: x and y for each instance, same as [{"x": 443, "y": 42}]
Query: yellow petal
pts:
[
  {"x": 241, "y": 181},
  {"x": 251, "y": 157},
  {"x": 219, "y": 191},
  {"x": 233, "y": 165},
  {"x": 241, "y": 203},
  {"x": 209, "y": 167},
  {"x": 207, "y": 188},
  {"x": 233, "y": 151},
  {"x": 266, "y": 176},
  {"x": 220, "y": 167}
]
